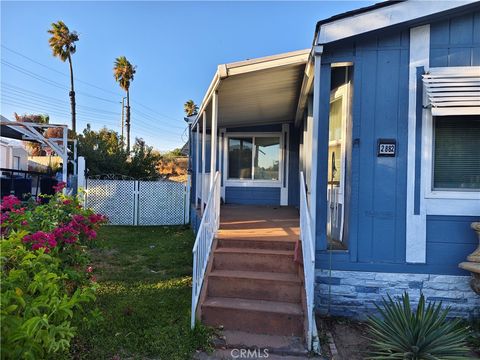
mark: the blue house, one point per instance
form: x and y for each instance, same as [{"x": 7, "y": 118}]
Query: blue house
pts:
[{"x": 326, "y": 178}]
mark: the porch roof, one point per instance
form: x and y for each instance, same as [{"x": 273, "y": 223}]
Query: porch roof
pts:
[{"x": 263, "y": 90}]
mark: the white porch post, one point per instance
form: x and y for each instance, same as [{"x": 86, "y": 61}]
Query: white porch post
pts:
[
  {"x": 197, "y": 167},
  {"x": 213, "y": 145},
  {"x": 204, "y": 137},
  {"x": 318, "y": 50},
  {"x": 65, "y": 154},
  {"x": 416, "y": 239}
]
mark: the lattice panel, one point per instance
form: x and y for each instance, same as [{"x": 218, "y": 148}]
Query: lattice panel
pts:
[
  {"x": 113, "y": 198},
  {"x": 161, "y": 203}
]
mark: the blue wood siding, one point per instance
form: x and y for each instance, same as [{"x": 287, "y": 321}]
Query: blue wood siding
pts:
[
  {"x": 382, "y": 113},
  {"x": 455, "y": 41},
  {"x": 252, "y": 195},
  {"x": 376, "y": 239},
  {"x": 293, "y": 167},
  {"x": 449, "y": 240}
]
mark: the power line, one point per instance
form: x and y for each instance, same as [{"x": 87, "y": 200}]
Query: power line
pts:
[
  {"x": 18, "y": 91},
  {"x": 92, "y": 115},
  {"x": 58, "y": 71},
  {"x": 86, "y": 83}
]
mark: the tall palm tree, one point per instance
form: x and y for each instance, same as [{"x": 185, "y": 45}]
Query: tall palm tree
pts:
[
  {"x": 123, "y": 72},
  {"x": 190, "y": 108},
  {"x": 63, "y": 46}
]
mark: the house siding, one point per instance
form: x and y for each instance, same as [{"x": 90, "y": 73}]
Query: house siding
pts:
[
  {"x": 252, "y": 195},
  {"x": 455, "y": 41},
  {"x": 375, "y": 262}
]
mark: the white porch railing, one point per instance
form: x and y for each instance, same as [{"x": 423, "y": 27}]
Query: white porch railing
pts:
[
  {"x": 203, "y": 242},
  {"x": 308, "y": 250}
]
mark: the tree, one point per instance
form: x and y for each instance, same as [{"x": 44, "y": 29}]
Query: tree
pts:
[
  {"x": 123, "y": 71},
  {"x": 35, "y": 149},
  {"x": 103, "y": 152},
  {"x": 190, "y": 108},
  {"x": 144, "y": 160},
  {"x": 63, "y": 46}
]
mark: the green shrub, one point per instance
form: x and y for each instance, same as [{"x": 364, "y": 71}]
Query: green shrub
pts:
[
  {"x": 46, "y": 281},
  {"x": 424, "y": 333}
]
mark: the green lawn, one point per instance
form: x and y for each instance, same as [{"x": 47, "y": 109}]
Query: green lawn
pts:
[{"x": 144, "y": 295}]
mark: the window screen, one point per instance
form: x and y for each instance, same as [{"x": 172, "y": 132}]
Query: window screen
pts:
[{"x": 457, "y": 152}]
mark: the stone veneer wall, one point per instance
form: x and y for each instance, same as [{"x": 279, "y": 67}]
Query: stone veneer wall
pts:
[{"x": 353, "y": 293}]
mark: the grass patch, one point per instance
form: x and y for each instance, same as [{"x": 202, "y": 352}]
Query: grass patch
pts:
[{"x": 144, "y": 295}]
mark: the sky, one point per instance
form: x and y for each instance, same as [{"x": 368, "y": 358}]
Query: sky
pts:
[{"x": 176, "y": 47}]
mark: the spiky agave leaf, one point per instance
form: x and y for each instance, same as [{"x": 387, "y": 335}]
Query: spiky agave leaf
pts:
[{"x": 424, "y": 333}]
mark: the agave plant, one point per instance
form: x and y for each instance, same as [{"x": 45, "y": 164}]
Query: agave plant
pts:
[{"x": 425, "y": 333}]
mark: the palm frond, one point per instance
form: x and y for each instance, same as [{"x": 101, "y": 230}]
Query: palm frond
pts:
[
  {"x": 62, "y": 40},
  {"x": 123, "y": 71}
]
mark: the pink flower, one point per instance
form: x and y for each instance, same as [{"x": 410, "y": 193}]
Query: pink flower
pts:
[
  {"x": 66, "y": 234},
  {"x": 89, "y": 269},
  {"x": 24, "y": 223},
  {"x": 93, "y": 278},
  {"x": 60, "y": 186},
  {"x": 67, "y": 202},
  {"x": 9, "y": 202},
  {"x": 40, "y": 240}
]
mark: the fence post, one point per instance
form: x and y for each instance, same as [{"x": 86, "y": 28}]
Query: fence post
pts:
[
  {"x": 136, "y": 206},
  {"x": 186, "y": 204}
]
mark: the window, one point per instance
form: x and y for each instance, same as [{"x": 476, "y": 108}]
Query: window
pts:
[
  {"x": 254, "y": 158},
  {"x": 16, "y": 162},
  {"x": 456, "y": 164},
  {"x": 240, "y": 158}
]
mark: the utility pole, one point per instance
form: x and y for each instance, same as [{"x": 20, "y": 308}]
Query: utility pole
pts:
[{"x": 123, "y": 124}]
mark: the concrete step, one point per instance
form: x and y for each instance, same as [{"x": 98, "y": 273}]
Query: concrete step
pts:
[
  {"x": 255, "y": 285},
  {"x": 274, "y": 344},
  {"x": 255, "y": 316},
  {"x": 257, "y": 243},
  {"x": 245, "y": 259}
]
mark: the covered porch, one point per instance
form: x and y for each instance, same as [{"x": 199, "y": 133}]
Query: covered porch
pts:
[{"x": 245, "y": 130}]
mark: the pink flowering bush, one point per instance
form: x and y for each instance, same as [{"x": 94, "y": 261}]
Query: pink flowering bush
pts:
[{"x": 46, "y": 276}]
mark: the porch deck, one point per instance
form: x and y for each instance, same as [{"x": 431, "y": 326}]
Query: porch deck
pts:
[{"x": 244, "y": 222}]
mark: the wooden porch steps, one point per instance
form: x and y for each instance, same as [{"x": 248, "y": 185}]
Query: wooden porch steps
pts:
[
  {"x": 253, "y": 284},
  {"x": 254, "y": 260},
  {"x": 257, "y": 316}
]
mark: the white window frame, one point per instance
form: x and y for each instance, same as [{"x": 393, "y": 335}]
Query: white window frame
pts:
[
  {"x": 253, "y": 182},
  {"x": 453, "y": 202}
]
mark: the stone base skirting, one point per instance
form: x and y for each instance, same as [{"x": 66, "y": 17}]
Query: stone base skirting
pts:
[{"x": 353, "y": 293}]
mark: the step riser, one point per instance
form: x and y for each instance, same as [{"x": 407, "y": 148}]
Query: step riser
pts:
[
  {"x": 253, "y": 321},
  {"x": 254, "y": 262},
  {"x": 256, "y": 244},
  {"x": 255, "y": 289}
]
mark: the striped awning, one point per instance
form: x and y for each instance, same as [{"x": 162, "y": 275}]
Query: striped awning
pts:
[{"x": 453, "y": 90}]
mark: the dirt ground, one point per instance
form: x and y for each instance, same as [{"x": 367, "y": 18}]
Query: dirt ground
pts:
[{"x": 350, "y": 338}]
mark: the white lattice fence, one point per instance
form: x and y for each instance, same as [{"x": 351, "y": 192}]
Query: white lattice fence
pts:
[
  {"x": 161, "y": 203},
  {"x": 129, "y": 202},
  {"x": 114, "y": 198}
]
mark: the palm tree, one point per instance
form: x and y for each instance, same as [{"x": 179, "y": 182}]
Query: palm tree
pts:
[
  {"x": 190, "y": 108},
  {"x": 63, "y": 46},
  {"x": 123, "y": 72}
]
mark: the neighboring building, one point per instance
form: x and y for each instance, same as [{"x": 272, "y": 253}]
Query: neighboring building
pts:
[
  {"x": 13, "y": 155},
  {"x": 382, "y": 116}
]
